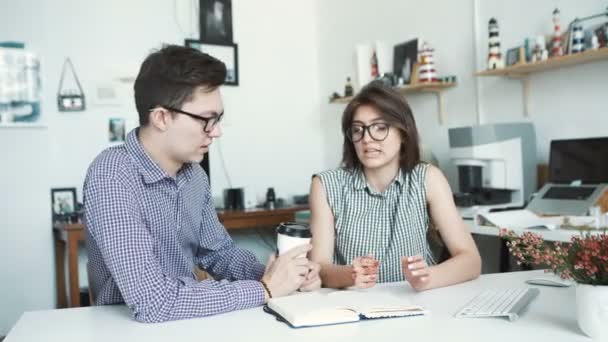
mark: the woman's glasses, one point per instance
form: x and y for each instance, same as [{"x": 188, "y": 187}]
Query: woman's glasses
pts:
[{"x": 377, "y": 131}]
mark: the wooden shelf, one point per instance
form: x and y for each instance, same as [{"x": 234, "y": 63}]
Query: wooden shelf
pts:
[
  {"x": 434, "y": 87},
  {"x": 523, "y": 71},
  {"x": 520, "y": 70}
]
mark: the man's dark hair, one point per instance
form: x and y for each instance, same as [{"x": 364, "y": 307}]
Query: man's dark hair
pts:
[
  {"x": 393, "y": 108},
  {"x": 169, "y": 76}
]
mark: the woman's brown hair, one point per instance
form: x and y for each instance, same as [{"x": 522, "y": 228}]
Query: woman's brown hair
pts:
[{"x": 393, "y": 108}]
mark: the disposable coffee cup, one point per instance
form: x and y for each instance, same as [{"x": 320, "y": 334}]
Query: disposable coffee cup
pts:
[{"x": 290, "y": 235}]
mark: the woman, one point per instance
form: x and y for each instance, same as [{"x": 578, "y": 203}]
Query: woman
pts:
[{"x": 370, "y": 218}]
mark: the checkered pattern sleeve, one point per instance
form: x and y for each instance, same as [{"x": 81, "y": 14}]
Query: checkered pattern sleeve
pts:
[
  {"x": 114, "y": 221},
  {"x": 218, "y": 254}
]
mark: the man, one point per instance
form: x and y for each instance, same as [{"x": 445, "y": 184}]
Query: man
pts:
[{"x": 148, "y": 209}]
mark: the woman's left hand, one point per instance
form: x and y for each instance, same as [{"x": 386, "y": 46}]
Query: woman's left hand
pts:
[
  {"x": 416, "y": 271},
  {"x": 313, "y": 280}
]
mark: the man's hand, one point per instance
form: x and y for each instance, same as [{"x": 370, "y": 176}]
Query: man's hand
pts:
[
  {"x": 416, "y": 271},
  {"x": 313, "y": 280},
  {"x": 286, "y": 273},
  {"x": 365, "y": 271}
]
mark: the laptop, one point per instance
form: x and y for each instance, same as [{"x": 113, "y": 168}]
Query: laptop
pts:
[{"x": 578, "y": 176}]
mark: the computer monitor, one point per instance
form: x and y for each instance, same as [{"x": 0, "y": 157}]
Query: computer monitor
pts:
[{"x": 579, "y": 159}]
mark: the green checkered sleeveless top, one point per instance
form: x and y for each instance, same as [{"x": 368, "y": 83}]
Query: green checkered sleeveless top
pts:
[{"x": 388, "y": 225}]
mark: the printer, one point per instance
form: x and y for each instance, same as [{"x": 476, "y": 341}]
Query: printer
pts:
[{"x": 496, "y": 166}]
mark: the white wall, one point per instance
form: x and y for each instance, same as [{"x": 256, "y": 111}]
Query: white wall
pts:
[
  {"x": 565, "y": 103},
  {"x": 558, "y": 98},
  {"x": 272, "y": 117},
  {"x": 446, "y": 25}
]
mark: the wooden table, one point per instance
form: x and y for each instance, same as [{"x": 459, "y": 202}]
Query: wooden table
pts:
[{"x": 70, "y": 234}]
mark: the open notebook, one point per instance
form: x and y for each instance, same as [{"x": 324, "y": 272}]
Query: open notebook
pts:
[{"x": 322, "y": 308}]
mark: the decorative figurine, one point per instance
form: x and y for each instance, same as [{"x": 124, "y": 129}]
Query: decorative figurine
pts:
[
  {"x": 595, "y": 42},
  {"x": 426, "y": 71},
  {"x": 578, "y": 38},
  {"x": 348, "y": 88},
  {"x": 495, "y": 60},
  {"x": 540, "y": 53},
  {"x": 374, "y": 63},
  {"x": 556, "y": 47}
]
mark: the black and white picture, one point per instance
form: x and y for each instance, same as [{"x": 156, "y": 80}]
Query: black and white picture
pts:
[
  {"x": 63, "y": 201},
  {"x": 116, "y": 130},
  {"x": 404, "y": 57},
  {"x": 227, "y": 53},
  {"x": 216, "y": 21}
]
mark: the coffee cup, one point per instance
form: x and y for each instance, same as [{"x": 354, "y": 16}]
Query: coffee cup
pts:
[{"x": 290, "y": 235}]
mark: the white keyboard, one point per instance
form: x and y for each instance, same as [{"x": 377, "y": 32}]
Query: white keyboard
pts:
[{"x": 499, "y": 303}]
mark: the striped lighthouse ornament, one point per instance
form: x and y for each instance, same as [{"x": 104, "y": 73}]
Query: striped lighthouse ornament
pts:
[
  {"x": 578, "y": 38},
  {"x": 556, "y": 46},
  {"x": 494, "y": 56},
  {"x": 426, "y": 71}
]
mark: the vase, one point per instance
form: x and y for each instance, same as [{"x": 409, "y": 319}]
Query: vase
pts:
[{"x": 592, "y": 310}]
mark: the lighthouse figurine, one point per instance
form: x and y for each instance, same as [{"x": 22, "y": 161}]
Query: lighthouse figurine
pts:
[
  {"x": 556, "y": 47},
  {"x": 494, "y": 56},
  {"x": 426, "y": 71}
]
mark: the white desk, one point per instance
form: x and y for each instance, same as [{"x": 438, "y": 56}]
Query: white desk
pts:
[
  {"x": 562, "y": 235},
  {"x": 550, "y": 317}
]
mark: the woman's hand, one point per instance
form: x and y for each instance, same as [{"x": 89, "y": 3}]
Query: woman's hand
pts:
[
  {"x": 416, "y": 271},
  {"x": 365, "y": 271},
  {"x": 313, "y": 281}
]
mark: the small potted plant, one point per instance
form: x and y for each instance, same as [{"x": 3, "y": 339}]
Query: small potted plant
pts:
[{"x": 584, "y": 260}]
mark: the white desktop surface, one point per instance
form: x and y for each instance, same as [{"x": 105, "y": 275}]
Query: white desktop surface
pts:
[
  {"x": 561, "y": 235},
  {"x": 549, "y": 317}
]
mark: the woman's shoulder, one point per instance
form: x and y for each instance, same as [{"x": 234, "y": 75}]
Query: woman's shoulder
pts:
[
  {"x": 338, "y": 174},
  {"x": 336, "y": 178}
]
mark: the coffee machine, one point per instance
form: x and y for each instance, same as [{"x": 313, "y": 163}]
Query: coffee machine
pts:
[{"x": 496, "y": 166}]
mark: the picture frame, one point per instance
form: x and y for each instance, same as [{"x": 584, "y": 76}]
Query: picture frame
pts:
[
  {"x": 215, "y": 21},
  {"x": 63, "y": 202},
  {"x": 227, "y": 53},
  {"x": 405, "y": 55},
  {"x": 512, "y": 56},
  {"x": 116, "y": 130}
]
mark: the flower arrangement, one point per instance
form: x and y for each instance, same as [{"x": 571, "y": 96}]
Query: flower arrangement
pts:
[{"x": 584, "y": 259}]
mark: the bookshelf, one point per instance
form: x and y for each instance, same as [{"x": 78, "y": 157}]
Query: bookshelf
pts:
[
  {"x": 523, "y": 71},
  {"x": 436, "y": 88}
]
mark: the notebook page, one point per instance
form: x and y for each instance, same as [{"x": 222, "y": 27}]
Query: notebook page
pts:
[{"x": 313, "y": 308}]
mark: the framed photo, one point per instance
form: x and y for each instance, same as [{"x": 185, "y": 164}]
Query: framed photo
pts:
[
  {"x": 512, "y": 57},
  {"x": 227, "y": 53},
  {"x": 116, "y": 130},
  {"x": 216, "y": 21},
  {"x": 404, "y": 57},
  {"x": 63, "y": 201}
]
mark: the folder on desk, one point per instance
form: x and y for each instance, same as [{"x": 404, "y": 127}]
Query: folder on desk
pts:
[
  {"x": 341, "y": 306},
  {"x": 525, "y": 219}
]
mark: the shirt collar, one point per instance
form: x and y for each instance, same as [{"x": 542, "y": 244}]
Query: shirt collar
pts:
[
  {"x": 148, "y": 168},
  {"x": 359, "y": 181}
]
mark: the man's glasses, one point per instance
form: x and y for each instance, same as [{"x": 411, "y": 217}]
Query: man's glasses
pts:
[
  {"x": 377, "y": 131},
  {"x": 209, "y": 123}
]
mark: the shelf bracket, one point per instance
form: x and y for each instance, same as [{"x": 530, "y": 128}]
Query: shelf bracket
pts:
[
  {"x": 441, "y": 107},
  {"x": 525, "y": 87},
  {"x": 525, "y": 84}
]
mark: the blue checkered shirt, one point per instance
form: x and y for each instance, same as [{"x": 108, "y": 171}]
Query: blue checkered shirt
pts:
[{"x": 146, "y": 231}]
